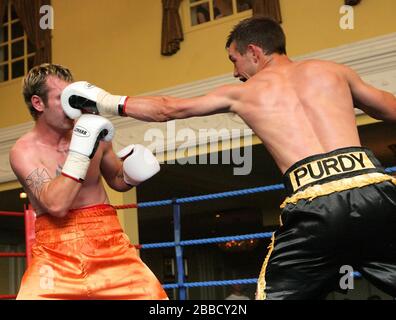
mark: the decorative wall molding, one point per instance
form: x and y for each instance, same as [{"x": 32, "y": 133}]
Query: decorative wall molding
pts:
[{"x": 373, "y": 59}]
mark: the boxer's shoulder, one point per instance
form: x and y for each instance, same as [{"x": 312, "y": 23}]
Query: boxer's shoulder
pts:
[
  {"x": 26, "y": 143},
  {"x": 29, "y": 152}
]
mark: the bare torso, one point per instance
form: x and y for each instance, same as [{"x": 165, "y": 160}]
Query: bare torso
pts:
[
  {"x": 299, "y": 109},
  {"x": 48, "y": 163}
]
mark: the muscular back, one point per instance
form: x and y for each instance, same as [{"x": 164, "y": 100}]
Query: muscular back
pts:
[{"x": 299, "y": 109}]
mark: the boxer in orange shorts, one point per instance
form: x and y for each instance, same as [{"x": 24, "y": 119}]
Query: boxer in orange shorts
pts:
[
  {"x": 85, "y": 255},
  {"x": 80, "y": 251}
]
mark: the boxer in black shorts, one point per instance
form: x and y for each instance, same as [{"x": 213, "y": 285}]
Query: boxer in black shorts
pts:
[
  {"x": 298, "y": 109},
  {"x": 341, "y": 211}
]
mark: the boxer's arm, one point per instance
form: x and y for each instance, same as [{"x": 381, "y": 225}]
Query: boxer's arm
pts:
[
  {"x": 82, "y": 97},
  {"x": 112, "y": 170},
  {"x": 131, "y": 166},
  {"x": 376, "y": 103},
  {"x": 54, "y": 195},
  {"x": 165, "y": 108}
]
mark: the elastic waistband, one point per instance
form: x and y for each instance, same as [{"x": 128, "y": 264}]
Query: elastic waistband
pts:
[
  {"x": 94, "y": 210},
  {"x": 326, "y": 167},
  {"x": 84, "y": 215}
]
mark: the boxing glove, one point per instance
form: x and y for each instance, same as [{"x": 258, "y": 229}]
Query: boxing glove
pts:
[
  {"x": 82, "y": 97},
  {"x": 139, "y": 164},
  {"x": 87, "y": 132}
]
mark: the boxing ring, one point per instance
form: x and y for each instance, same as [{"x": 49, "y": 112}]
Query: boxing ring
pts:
[{"x": 178, "y": 243}]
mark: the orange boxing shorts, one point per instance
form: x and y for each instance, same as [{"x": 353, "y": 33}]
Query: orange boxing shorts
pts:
[{"x": 86, "y": 255}]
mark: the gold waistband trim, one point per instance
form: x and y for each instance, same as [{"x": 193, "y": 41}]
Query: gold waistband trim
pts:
[
  {"x": 336, "y": 186},
  {"x": 261, "y": 284}
]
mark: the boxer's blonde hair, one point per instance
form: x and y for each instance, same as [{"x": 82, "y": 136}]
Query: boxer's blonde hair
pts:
[{"x": 35, "y": 83}]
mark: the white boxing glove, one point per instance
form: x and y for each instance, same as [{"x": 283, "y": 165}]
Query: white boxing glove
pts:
[
  {"x": 82, "y": 97},
  {"x": 87, "y": 133},
  {"x": 139, "y": 164}
]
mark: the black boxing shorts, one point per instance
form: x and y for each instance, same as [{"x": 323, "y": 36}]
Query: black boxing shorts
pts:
[{"x": 340, "y": 211}]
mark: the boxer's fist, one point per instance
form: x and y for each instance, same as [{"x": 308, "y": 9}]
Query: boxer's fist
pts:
[
  {"x": 139, "y": 164},
  {"x": 87, "y": 133},
  {"x": 83, "y": 97}
]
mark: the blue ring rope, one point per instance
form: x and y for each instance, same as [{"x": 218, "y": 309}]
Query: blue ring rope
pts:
[
  {"x": 222, "y": 195},
  {"x": 207, "y": 240},
  {"x": 222, "y": 283}
]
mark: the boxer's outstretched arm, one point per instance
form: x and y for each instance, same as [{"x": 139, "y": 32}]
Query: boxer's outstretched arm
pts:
[
  {"x": 376, "y": 103},
  {"x": 163, "y": 108},
  {"x": 82, "y": 97}
]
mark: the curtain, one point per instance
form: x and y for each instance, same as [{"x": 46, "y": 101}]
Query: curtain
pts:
[
  {"x": 172, "y": 33},
  {"x": 28, "y": 12},
  {"x": 352, "y": 2},
  {"x": 269, "y": 8},
  {"x": 3, "y": 9}
]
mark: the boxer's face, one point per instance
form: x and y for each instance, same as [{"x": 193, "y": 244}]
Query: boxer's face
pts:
[
  {"x": 53, "y": 109},
  {"x": 244, "y": 64}
]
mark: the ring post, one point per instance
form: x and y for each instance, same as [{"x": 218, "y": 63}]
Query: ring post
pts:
[
  {"x": 179, "y": 250},
  {"x": 30, "y": 218}
]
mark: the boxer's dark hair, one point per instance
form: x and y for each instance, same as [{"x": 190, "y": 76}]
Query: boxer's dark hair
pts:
[
  {"x": 35, "y": 83},
  {"x": 263, "y": 32}
]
